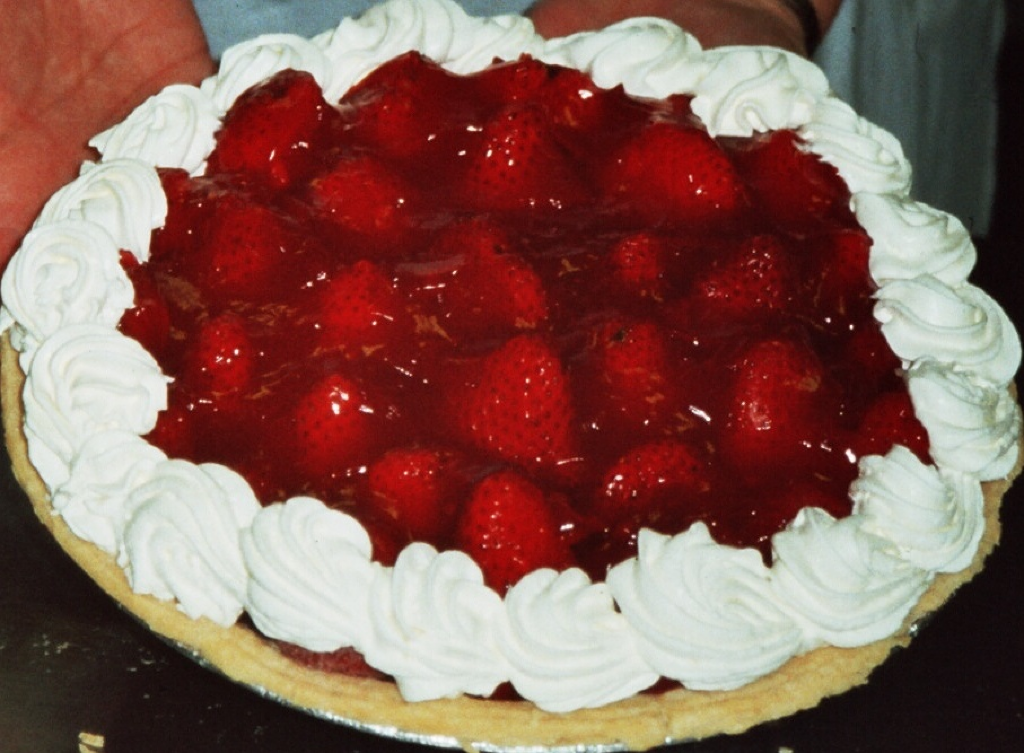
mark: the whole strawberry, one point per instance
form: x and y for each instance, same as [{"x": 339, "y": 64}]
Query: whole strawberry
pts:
[
  {"x": 401, "y": 107},
  {"x": 148, "y": 321},
  {"x": 272, "y": 131},
  {"x": 795, "y": 187},
  {"x": 366, "y": 200},
  {"x": 626, "y": 381},
  {"x": 841, "y": 283},
  {"x": 519, "y": 80},
  {"x": 514, "y": 161},
  {"x": 515, "y": 405},
  {"x": 890, "y": 420},
  {"x": 334, "y": 427},
  {"x": 754, "y": 278},
  {"x": 752, "y": 525},
  {"x": 638, "y": 266},
  {"x": 358, "y": 310},
  {"x": 417, "y": 489},
  {"x": 509, "y": 528},
  {"x": 674, "y": 172},
  {"x": 221, "y": 359},
  {"x": 489, "y": 288},
  {"x": 243, "y": 248},
  {"x": 657, "y": 484},
  {"x": 778, "y": 409}
]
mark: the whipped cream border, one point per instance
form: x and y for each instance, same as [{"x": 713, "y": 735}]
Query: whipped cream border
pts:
[{"x": 710, "y": 616}]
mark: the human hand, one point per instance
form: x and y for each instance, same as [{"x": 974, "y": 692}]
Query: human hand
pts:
[
  {"x": 68, "y": 70},
  {"x": 714, "y": 22}
]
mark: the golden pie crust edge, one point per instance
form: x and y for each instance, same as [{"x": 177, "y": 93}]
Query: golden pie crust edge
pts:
[{"x": 641, "y": 722}]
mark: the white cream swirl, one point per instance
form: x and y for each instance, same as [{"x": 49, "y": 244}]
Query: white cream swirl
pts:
[
  {"x": 755, "y": 89},
  {"x": 94, "y": 500},
  {"x": 309, "y": 574},
  {"x": 65, "y": 273},
  {"x": 439, "y": 29},
  {"x": 924, "y": 318},
  {"x": 433, "y": 621},
  {"x": 567, "y": 645},
  {"x": 124, "y": 196},
  {"x": 174, "y": 128},
  {"x": 910, "y": 239},
  {"x": 867, "y": 157},
  {"x": 496, "y": 38},
  {"x": 84, "y": 379},
  {"x": 181, "y": 540},
  {"x": 710, "y": 616},
  {"x": 248, "y": 63},
  {"x": 935, "y": 518},
  {"x": 649, "y": 57},
  {"x": 972, "y": 428},
  {"x": 703, "y": 614},
  {"x": 846, "y": 587}
]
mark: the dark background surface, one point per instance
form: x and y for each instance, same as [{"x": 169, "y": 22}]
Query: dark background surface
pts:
[{"x": 71, "y": 661}]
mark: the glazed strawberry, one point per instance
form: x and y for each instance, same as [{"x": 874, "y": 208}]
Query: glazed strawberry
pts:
[
  {"x": 795, "y": 186},
  {"x": 490, "y": 287},
  {"x": 776, "y": 409},
  {"x": 258, "y": 473},
  {"x": 273, "y": 129},
  {"x": 671, "y": 172},
  {"x": 174, "y": 432},
  {"x": 513, "y": 81},
  {"x": 358, "y": 310},
  {"x": 221, "y": 359},
  {"x": 514, "y": 162},
  {"x": 509, "y": 529},
  {"x": 148, "y": 321},
  {"x": 571, "y": 100},
  {"x": 755, "y": 278},
  {"x": 515, "y": 404},
  {"x": 417, "y": 488},
  {"x": 175, "y": 234},
  {"x": 386, "y": 539},
  {"x": 242, "y": 250},
  {"x": 866, "y": 362},
  {"x": 838, "y": 263},
  {"x": 656, "y": 484},
  {"x": 360, "y": 194},
  {"x": 516, "y": 297},
  {"x": 626, "y": 380},
  {"x": 746, "y": 525},
  {"x": 401, "y": 106},
  {"x": 191, "y": 201},
  {"x": 334, "y": 427},
  {"x": 639, "y": 265},
  {"x": 888, "y": 421}
]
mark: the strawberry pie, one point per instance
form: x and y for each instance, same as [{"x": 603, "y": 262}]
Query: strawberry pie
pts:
[{"x": 481, "y": 389}]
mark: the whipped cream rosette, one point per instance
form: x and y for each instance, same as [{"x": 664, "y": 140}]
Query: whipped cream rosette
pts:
[{"x": 713, "y": 617}]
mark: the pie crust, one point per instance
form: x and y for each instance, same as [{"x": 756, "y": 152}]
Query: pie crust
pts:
[{"x": 641, "y": 722}]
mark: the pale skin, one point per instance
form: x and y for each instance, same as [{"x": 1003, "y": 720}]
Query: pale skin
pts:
[
  {"x": 71, "y": 68},
  {"x": 713, "y": 22}
]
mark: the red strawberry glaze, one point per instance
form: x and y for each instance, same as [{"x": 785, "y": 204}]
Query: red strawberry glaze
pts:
[{"x": 492, "y": 316}]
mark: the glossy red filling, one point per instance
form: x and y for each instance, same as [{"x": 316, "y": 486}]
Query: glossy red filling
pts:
[{"x": 518, "y": 315}]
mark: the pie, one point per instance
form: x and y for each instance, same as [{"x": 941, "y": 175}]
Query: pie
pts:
[{"x": 491, "y": 391}]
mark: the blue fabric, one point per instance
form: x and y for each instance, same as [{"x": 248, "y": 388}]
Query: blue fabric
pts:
[
  {"x": 926, "y": 71},
  {"x": 229, "y": 21}
]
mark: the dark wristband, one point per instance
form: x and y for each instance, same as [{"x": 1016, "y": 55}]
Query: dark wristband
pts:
[{"x": 808, "y": 18}]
